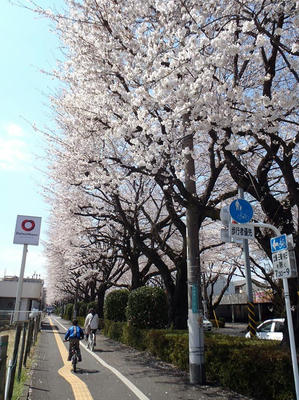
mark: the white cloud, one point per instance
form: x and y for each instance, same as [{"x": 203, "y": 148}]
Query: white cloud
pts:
[
  {"x": 14, "y": 152},
  {"x": 14, "y": 130}
]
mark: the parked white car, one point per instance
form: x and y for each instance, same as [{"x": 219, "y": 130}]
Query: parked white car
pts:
[
  {"x": 271, "y": 329},
  {"x": 207, "y": 325}
]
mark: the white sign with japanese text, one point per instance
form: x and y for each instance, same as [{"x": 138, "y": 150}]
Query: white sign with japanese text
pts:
[
  {"x": 241, "y": 231},
  {"x": 27, "y": 230},
  {"x": 283, "y": 266}
]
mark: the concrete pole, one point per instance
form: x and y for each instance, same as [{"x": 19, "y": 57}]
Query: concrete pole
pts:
[
  {"x": 195, "y": 308},
  {"x": 20, "y": 285},
  {"x": 250, "y": 304}
]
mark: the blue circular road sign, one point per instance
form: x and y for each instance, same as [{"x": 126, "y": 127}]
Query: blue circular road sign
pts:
[{"x": 241, "y": 211}]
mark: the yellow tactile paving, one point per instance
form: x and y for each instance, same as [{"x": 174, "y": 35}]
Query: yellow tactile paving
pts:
[{"x": 79, "y": 388}]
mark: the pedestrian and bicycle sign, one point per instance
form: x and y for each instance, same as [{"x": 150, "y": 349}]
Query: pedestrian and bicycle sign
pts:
[
  {"x": 279, "y": 243},
  {"x": 241, "y": 211}
]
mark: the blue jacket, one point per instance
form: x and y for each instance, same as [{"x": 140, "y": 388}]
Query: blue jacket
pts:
[{"x": 72, "y": 333}]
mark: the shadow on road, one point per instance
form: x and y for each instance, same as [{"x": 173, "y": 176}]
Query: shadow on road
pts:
[
  {"x": 39, "y": 389},
  {"x": 45, "y": 326},
  {"x": 86, "y": 371},
  {"x": 102, "y": 351}
]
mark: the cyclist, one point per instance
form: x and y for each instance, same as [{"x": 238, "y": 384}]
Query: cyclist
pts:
[
  {"x": 91, "y": 324},
  {"x": 74, "y": 334}
]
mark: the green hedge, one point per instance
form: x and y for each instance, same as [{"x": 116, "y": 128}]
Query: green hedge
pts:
[
  {"x": 147, "y": 308},
  {"x": 81, "y": 321},
  {"x": 256, "y": 368},
  {"x": 125, "y": 333},
  {"x": 68, "y": 312},
  {"x": 115, "y": 305},
  {"x": 82, "y": 309}
]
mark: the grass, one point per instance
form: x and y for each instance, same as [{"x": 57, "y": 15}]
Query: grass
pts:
[{"x": 19, "y": 384}]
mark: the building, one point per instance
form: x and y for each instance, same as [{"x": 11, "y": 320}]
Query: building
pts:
[
  {"x": 233, "y": 305},
  {"x": 31, "y": 298}
]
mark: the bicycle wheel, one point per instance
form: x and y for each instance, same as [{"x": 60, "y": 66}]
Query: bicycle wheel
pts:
[
  {"x": 91, "y": 341},
  {"x": 74, "y": 362}
]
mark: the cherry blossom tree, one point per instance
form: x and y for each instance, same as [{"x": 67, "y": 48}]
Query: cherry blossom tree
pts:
[{"x": 149, "y": 84}]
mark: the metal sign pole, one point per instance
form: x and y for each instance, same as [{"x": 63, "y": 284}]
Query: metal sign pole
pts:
[
  {"x": 277, "y": 247},
  {"x": 289, "y": 316},
  {"x": 291, "y": 334},
  {"x": 250, "y": 304},
  {"x": 20, "y": 285}
]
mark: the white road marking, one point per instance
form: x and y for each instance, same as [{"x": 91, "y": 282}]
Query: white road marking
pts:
[{"x": 129, "y": 384}]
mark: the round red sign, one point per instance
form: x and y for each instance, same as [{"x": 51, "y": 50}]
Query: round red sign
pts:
[{"x": 28, "y": 225}]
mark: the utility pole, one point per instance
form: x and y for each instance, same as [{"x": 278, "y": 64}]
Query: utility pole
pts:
[{"x": 195, "y": 309}]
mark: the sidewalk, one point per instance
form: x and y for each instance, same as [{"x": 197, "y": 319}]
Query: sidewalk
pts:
[{"x": 115, "y": 372}]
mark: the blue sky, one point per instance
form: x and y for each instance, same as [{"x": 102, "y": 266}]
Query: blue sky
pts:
[{"x": 27, "y": 45}]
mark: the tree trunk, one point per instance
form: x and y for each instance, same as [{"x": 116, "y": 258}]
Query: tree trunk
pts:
[
  {"x": 101, "y": 297},
  {"x": 180, "y": 298}
]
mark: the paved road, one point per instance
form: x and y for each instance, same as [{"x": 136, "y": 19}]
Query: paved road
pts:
[
  {"x": 233, "y": 329},
  {"x": 113, "y": 372}
]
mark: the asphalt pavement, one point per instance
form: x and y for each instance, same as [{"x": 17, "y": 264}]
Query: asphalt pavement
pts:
[
  {"x": 233, "y": 329},
  {"x": 113, "y": 372}
]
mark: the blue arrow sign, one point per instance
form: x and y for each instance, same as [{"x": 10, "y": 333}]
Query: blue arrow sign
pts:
[
  {"x": 279, "y": 243},
  {"x": 241, "y": 211}
]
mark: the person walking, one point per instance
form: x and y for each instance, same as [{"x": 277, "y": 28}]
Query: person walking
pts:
[{"x": 91, "y": 323}]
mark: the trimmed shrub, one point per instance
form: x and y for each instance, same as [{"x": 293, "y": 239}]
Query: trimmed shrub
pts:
[
  {"x": 134, "y": 337},
  {"x": 68, "y": 312},
  {"x": 254, "y": 368},
  {"x": 115, "y": 305},
  {"x": 237, "y": 363},
  {"x": 101, "y": 323},
  {"x": 81, "y": 321},
  {"x": 92, "y": 304},
  {"x": 179, "y": 350},
  {"x": 114, "y": 330},
  {"x": 158, "y": 344},
  {"x": 58, "y": 310},
  {"x": 147, "y": 308},
  {"x": 82, "y": 309}
]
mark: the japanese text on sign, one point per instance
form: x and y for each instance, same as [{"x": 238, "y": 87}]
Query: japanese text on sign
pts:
[
  {"x": 281, "y": 264},
  {"x": 284, "y": 264},
  {"x": 242, "y": 231}
]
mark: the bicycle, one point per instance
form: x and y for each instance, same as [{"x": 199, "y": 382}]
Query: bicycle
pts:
[
  {"x": 75, "y": 356},
  {"x": 90, "y": 341},
  {"x": 74, "y": 359}
]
